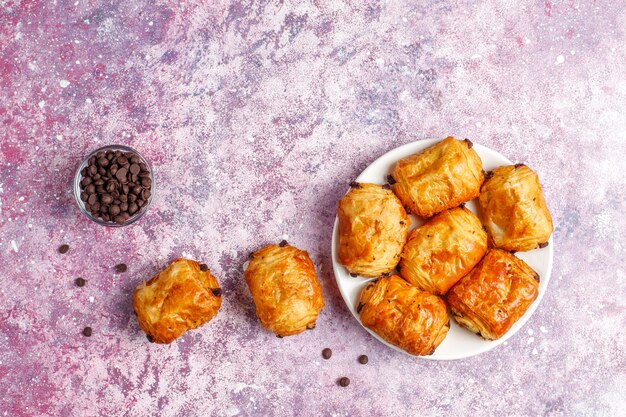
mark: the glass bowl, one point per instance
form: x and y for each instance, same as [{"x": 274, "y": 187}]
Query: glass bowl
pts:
[{"x": 78, "y": 178}]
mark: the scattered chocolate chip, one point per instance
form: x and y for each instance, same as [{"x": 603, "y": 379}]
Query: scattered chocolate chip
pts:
[
  {"x": 512, "y": 252},
  {"x": 391, "y": 180},
  {"x": 121, "y": 268},
  {"x": 204, "y": 267},
  {"x": 353, "y": 275},
  {"x": 360, "y": 307},
  {"x": 344, "y": 381},
  {"x": 279, "y": 336},
  {"x": 80, "y": 282},
  {"x": 216, "y": 292},
  {"x": 519, "y": 165},
  {"x": 87, "y": 331},
  {"x": 150, "y": 338},
  {"x": 355, "y": 184},
  {"x": 543, "y": 245},
  {"x": 64, "y": 248},
  {"x": 283, "y": 243},
  {"x": 402, "y": 222},
  {"x": 462, "y": 205},
  {"x": 488, "y": 174},
  {"x": 537, "y": 277},
  {"x": 469, "y": 143},
  {"x": 327, "y": 353},
  {"x": 363, "y": 359},
  {"x": 386, "y": 186}
]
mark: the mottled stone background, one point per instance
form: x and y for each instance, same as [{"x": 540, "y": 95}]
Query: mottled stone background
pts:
[{"x": 256, "y": 117}]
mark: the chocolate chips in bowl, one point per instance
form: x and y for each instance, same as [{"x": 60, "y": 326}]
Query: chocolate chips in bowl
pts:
[{"x": 114, "y": 186}]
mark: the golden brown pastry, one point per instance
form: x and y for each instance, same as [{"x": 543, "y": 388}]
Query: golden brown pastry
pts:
[
  {"x": 494, "y": 295},
  {"x": 444, "y": 250},
  {"x": 373, "y": 228},
  {"x": 181, "y": 297},
  {"x": 403, "y": 315},
  {"x": 514, "y": 210},
  {"x": 438, "y": 178},
  {"x": 284, "y": 288}
]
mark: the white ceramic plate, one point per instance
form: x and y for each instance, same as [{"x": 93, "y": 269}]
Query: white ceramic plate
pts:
[{"x": 459, "y": 343}]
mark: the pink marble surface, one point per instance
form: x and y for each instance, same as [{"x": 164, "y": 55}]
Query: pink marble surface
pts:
[{"x": 256, "y": 117}]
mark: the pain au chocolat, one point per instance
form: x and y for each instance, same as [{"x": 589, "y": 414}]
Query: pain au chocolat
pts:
[
  {"x": 438, "y": 178},
  {"x": 373, "y": 228},
  {"x": 284, "y": 287},
  {"x": 183, "y": 296},
  {"x": 514, "y": 210}
]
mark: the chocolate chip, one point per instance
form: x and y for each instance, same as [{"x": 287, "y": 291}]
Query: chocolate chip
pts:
[
  {"x": 134, "y": 169},
  {"x": 391, "y": 180},
  {"x": 132, "y": 208},
  {"x": 121, "y": 268},
  {"x": 488, "y": 174},
  {"x": 137, "y": 190},
  {"x": 90, "y": 189},
  {"x": 543, "y": 245},
  {"x": 84, "y": 196},
  {"x": 363, "y": 359},
  {"x": 114, "y": 210},
  {"x": 121, "y": 175},
  {"x": 87, "y": 331},
  {"x": 386, "y": 186},
  {"x": 145, "y": 194},
  {"x": 107, "y": 199},
  {"x": 80, "y": 282},
  {"x": 103, "y": 162},
  {"x": 353, "y": 275},
  {"x": 216, "y": 292},
  {"x": 519, "y": 165},
  {"x": 469, "y": 143},
  {"x": 122, "y": 160},
  {"x": 204, "y": 267},
  {"x": 360, "y": 307},
  {"x": 150, "y": 338},
  {"x": 279, "y": 336},
  {"x": 283, "y": 243},
  {"x": 123, "y": 206},
  {"x": 146, "y": 182},
  {"x": 355, "y": 184},
  {"x": 86, "y": 181},
  {"x": 327, "y": 353},
  {"x": 64, "y": 248},
  {"x": 344, "y": 381}
]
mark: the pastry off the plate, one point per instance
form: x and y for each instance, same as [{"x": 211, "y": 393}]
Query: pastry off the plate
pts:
[
  {"x": 183, "y": 296},
  {"x": 412, "y": 319},
  {"x": 284, "y": 287}
]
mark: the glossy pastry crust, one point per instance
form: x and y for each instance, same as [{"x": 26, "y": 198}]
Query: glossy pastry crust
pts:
[
  {"x": 403, "y": 315},
  {"x": 442, "y": 251},
  {"x": 373, "y": 228},
  {"x": 179, "y": 298},
  {"x": 494, "y": 295},
  {"x": 438, "y": 178},
  {"x": 285, "y": 289},
  {"x": 514, "y": 210}
]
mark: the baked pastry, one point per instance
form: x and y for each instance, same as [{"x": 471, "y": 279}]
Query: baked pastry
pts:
[
  {"x": 181, "y": 297},
  {"x": 284, "y": 288},
  {"x": 373, "y": 228},
  {"x": 438, "y": 178},
  {"x": 413, "y": 320},
  {"x": 514, "y": 210},
  {"x": 494, "y": 295},
  {"x": 444, "y": 250}
]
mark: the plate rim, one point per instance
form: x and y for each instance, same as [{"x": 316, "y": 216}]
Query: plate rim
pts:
[{"x": 490, "y": 344}]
